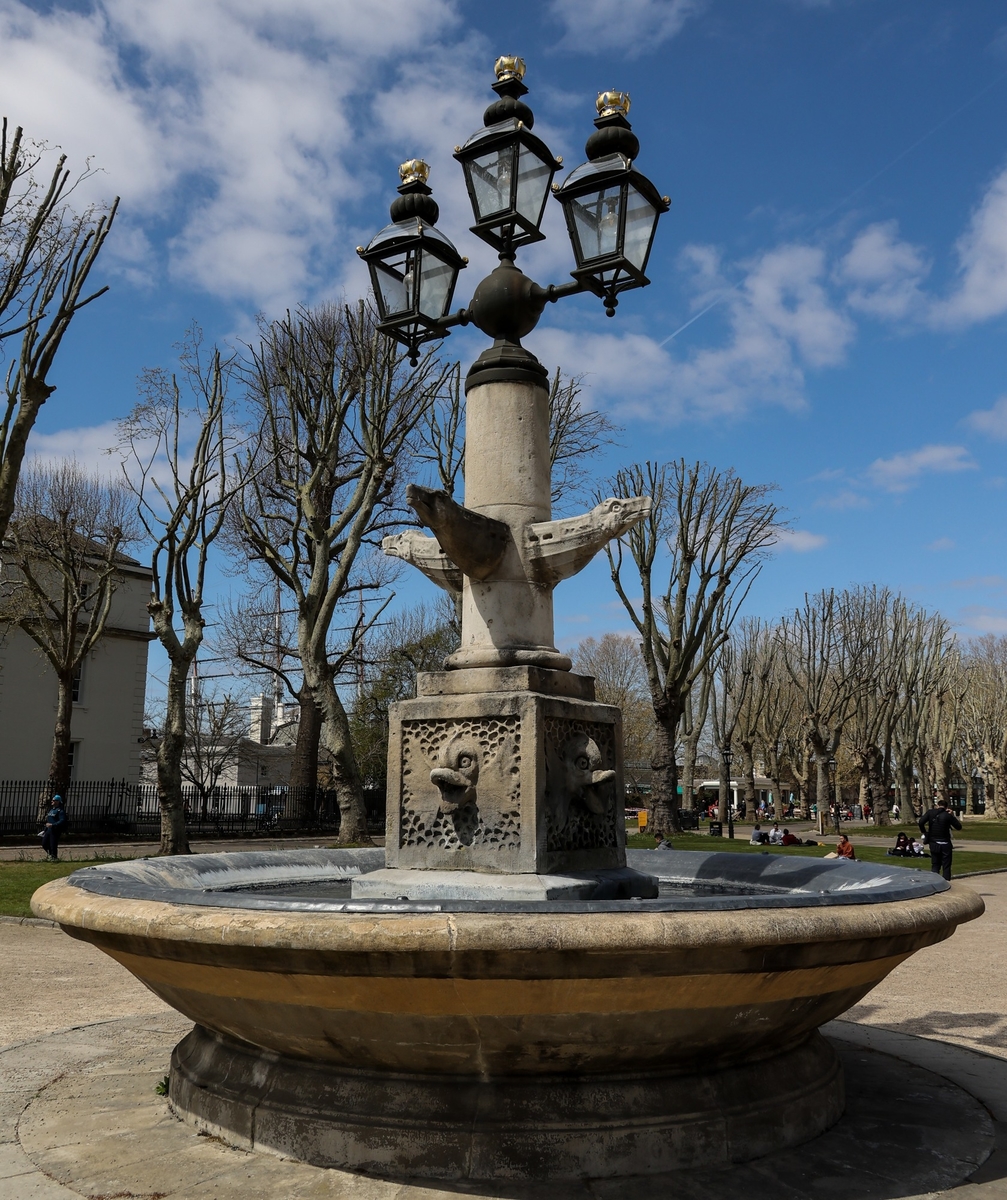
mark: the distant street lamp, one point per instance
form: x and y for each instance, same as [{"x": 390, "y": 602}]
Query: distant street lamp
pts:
[{"x": 728, "y": 757}]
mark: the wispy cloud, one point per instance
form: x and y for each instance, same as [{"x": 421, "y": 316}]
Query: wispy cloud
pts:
[
  {"x": 883, "y": 274},
  {"x": 904, "y": 471},
  {"x": 940, "y": 544},
  {"x": 635, "y": 27},
  {"x": 800, "y": 541},
  {"x": 844, "y": 500},
  {"x": 990, "y": 421},
  {"x": 981, "y": 291},
  {"x": 980, "y": 619}
]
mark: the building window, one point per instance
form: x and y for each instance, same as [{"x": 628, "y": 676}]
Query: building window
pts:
[
  {"x": 74, "y": 759},
  {"x": 76, "y": 685}
]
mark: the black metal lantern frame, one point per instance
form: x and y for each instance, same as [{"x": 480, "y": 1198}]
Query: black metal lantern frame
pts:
[{"x": 611, "y": 212}]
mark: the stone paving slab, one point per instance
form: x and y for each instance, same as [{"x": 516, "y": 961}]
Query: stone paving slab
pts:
[{"x": 89, "y": 1123}]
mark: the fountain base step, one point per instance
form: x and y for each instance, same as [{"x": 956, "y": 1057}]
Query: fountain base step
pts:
[
  {"x": 619, "y": 883},
  {"x": 400, "y": 1125}
]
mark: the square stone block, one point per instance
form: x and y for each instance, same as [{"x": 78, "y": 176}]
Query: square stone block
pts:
[{"x": 506, "y": 782}]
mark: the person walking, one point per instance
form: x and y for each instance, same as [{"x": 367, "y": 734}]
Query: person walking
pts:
[
  {"x": 936, "y": 825},
  {"x": 55, "y": 823}
]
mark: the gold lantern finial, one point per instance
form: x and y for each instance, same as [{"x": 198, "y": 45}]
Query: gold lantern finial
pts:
[
  {"x": 507, "y": 66},
  {"x": 414, "y": 171},
  {"x": 613, "y": 104}
]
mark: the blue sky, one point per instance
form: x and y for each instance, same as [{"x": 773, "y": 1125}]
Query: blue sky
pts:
[{"x": 838, "y": 231}]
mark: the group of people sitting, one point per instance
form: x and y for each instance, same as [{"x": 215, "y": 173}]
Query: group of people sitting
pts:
[
  {"x": 907, "y": 847},
  {"x": 776, "y": 837}
]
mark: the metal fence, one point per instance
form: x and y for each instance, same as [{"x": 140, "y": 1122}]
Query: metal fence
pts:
[{"x": 117, "y": 809}]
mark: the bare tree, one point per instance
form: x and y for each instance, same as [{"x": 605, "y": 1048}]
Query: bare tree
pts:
[
  {"x": 617, "y": 667},
  {"x": 775, "y": 718},
  {"x": 178, "y": 457},
  {"x": 985, "y": 716},
  {"x": 46, "y": 254},
  {"x": 944, "y": 711},
  {"x": 216, "y": 727},
  {"x": 335, "y": 410},
  {"x": 732, "y": 687},
  {"x": 694, "y": 718},
  {"x": 63, "y": 558},
  {"x": 709, "y": 531}
]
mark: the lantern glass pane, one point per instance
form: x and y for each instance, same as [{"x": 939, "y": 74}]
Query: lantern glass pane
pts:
[
  {"x": 596, "y": 218},
  {"x": 640, "y": 220},
  {"x": 395, "y": 280},
  {"x": 436, "y": 282},
  {"x": 533, "y": 178},
  {"x": 491, "y": 176}
]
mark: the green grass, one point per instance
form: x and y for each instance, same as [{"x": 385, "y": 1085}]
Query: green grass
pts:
[
  {"x": 976, "y": 828},
  {"x": 18, "y": 880},
  {"x": 965, "y": 861}
]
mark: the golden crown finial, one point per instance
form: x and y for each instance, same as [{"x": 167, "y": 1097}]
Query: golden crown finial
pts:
[
  {"x": 507, "y": 66},
  {"x": 414, "y": 171},
  {"x": 613, "y": 104}
]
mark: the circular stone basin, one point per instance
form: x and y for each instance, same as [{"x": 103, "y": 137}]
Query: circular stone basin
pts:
[{"x": 476, "y": 1040}]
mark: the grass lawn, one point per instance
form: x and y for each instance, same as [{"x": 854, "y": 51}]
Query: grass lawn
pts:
[
  {"x": 965, "y": 861},
  {"x": 976, "y": 828},
  {"x": 18, "y": 880}
]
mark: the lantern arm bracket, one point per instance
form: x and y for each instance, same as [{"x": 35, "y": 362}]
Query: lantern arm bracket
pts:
[{"x": 556, "y": 291}]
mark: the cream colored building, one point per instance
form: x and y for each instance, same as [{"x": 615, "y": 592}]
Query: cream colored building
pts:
[{"x": 107, "y": 723}]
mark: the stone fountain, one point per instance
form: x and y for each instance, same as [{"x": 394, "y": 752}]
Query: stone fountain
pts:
[{"x": 504, "y": 993}]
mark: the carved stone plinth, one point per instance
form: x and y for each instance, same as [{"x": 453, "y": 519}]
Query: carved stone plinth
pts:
[{"x": 505, "y": 779}]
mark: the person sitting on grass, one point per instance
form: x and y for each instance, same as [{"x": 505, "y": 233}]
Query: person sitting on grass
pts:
[
  {"x": 660, "y": 843},
  {"x": 844, "y": 848},
  {"x": 916, "y": 848},
  {"x": 790, "y": 839},
  {"x": 902, "y": 847},
  {"x": 775, "y": 835},
  {"x": 758, "y": 837}
]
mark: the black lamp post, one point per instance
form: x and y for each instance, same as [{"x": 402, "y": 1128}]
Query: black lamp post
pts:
[
  {"x": 611, "y": 211},
  {"x": 728, "y": 757}
]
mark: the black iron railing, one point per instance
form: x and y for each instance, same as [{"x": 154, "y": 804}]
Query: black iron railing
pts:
[{"x": 117, "y": 809}]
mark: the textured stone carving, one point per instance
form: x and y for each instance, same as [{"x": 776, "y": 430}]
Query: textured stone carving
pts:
[
  {"x": 426, "y": 555},
  {"x": 555, "y": 550},
  {"x": 448, "y": 803},
  {"x": 580, "y": 793}
]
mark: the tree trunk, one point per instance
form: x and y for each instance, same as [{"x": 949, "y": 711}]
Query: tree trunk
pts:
[
  {"x": 335, "y": 739},
  {"x": 304, "y": 765},
  {"x": 174, "y": 839},
  {"x": 664, "y": 779},
  {"x": 926, "y": 783},
  {"x": 748, "y": 771},
  {"x": 691, "y": 748},
  {"x": 724, "y": 794},
  {"x": 904, "y": 786},
  {"x": 942, "y": 775},
  {"x": 59, "y": 760}
]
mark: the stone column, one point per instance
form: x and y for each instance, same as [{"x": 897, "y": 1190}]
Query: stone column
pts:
[{"x": 507, "y": 620}]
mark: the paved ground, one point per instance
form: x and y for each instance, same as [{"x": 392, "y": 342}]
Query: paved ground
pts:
[
  {"x": 81, "y": 851},
  {"x": 82, "y": 1046}
]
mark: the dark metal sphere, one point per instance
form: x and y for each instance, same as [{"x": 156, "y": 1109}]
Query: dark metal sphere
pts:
[{"x": 507, "y": 304}]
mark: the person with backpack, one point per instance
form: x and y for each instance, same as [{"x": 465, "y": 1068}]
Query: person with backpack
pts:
[
  {"x": 55, "y": 824},
  {"x": 936, "y": 825}
]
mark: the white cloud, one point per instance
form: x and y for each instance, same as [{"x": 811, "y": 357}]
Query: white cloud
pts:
[
  {"x": 780, "y": 322},
  {"x": 844, "y": 500},
  {"x": 883, "y": 273},
  {"x": 980, "y": 619},
  {"x": 237, "y": 129},
  {"x": 633, "y": 27},
  {"x": 904, "y": 471},
  {"x": 88, "y": 445},
  {"x": 800, "y": 541},
  {"x": 981, "y": 292},
  {"x": 990, "y": 421},
  {"x": 941, "y": 544}
]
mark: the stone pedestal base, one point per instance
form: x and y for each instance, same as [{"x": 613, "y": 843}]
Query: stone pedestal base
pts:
[{"x": 523, "y": 1128}]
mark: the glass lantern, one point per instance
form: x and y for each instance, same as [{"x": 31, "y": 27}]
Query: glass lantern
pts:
[
  {"x": 508, "y": 170},
  {"x": 413, "y": 266},
  {"x": 611, "y": 209}
]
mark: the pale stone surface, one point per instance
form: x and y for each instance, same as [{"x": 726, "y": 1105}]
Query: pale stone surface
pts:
[
  {"x": 466, "y": 681},
  {"x": 506, "y": 782},
  {"x": 394, "y": 884}
]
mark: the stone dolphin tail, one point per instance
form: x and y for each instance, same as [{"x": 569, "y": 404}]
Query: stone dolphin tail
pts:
[
  {"x": 458, "y": 772},
  {"x": 475, "y": 543},
  {"x": 425, "y": 554},
  {"x": 555, "y": 550}
]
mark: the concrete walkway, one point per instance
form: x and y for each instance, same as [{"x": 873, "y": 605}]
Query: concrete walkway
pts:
[
  {"x": 83, "y": 851},
  {"x": 82, "y": 1046}
]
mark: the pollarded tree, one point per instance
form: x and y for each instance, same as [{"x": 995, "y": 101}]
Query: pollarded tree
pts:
[
  {"x": 617, "y": 667},
  {"x": 335, "y": 410},
  {"x": 47, "y": 251},
  {"x": 985, "y": 716},
  {"x": 63, "y": 561},
  {"x": 706, "y": 534},
  {"x": 178, "y": 450}
]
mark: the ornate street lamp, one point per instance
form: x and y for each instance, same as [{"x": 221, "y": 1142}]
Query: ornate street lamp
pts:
[
  {"x": 611, "y": 209},
  {"x": 413, "y": 266},
  {"x": 508, "y": 169}
]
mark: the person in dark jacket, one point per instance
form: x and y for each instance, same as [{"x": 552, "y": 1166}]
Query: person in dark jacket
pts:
[
  {"x": 55, "y": 823},
  {"x": 936, "y": 825}
]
